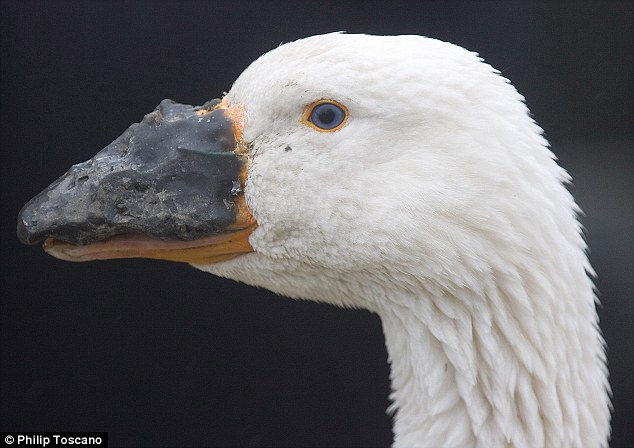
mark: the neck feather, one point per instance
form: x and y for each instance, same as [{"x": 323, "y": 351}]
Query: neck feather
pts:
[
  {"x": 492, "y": 368},
  {"x": 506, "y": 355}
]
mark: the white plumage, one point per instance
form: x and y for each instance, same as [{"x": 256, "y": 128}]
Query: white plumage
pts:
[{"x": 439, "y": 207}]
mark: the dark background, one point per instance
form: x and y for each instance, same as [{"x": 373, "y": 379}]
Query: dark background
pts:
[{"x": 161, "y": 354}]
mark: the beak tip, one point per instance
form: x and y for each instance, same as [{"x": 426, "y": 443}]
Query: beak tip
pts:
[
  {"x": 32, "y": 227},
  {"x": 25, "y": 231}
]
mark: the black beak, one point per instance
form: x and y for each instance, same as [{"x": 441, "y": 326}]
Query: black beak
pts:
[{"x": 174, "y": 176}]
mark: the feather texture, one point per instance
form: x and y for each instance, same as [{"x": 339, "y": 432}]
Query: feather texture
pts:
[{"x": 440, "y": 207}]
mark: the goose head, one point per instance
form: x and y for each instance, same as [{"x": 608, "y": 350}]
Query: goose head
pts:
[{"x": 400, "y": 174}]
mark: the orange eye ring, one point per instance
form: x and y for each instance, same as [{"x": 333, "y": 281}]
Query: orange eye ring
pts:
[{"x": 326, "y": 115}]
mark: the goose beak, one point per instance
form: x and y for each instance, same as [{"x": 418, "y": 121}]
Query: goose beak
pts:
[{"x": 170, "y": 188}]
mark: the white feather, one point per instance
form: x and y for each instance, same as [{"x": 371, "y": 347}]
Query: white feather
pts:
[{"x": 439, "y": 207}]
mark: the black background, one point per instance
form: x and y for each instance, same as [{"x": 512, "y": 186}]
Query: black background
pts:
[{"x": 161, "y": 354}]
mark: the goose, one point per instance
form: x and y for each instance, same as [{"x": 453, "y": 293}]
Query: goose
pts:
[{"x": 399, "y": 174}]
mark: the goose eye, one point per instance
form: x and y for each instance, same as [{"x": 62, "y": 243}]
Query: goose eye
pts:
[{"x": 326, "y": 116}]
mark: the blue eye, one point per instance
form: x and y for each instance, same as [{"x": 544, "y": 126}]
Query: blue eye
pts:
[{"x": 327, "y": 116}]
